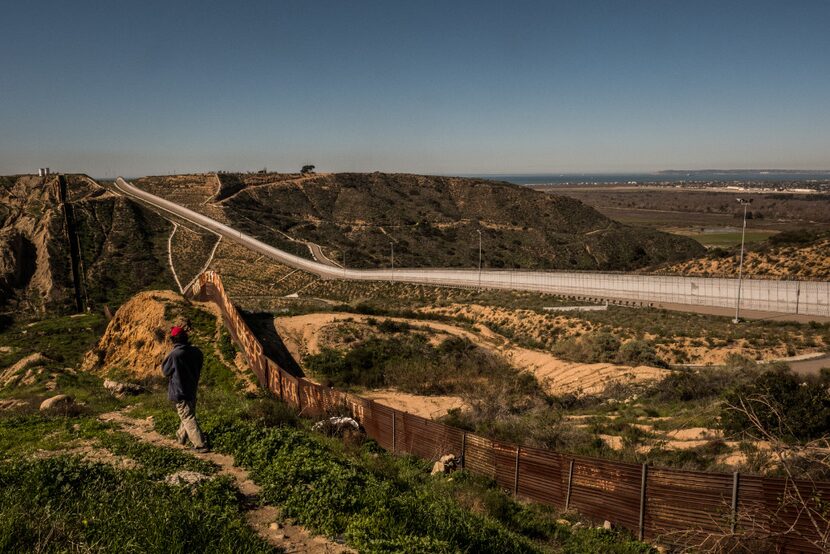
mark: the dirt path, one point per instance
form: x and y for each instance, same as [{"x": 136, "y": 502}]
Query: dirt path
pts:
[{"x": 262, "y": 518}]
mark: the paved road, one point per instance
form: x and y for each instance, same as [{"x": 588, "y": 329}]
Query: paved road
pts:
[{"x": 774, "y": 297}]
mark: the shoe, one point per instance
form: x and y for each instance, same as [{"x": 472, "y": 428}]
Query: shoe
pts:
[{"x": 201, "y": 449}]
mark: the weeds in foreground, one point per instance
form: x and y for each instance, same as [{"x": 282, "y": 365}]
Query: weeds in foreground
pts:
[{"x": 62, "y": 503}]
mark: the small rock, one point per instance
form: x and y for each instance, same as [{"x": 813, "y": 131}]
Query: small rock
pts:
[
  {"x": 282, "y": 536},
  {"x": 185, "y": 478},
  {"x": 56, "y": 402},
  {"x": 276, "y": 525},
  {"x": 122, "y": 388},
  {"x": 606, "y": 525},
  {"x": 564, "y": 522}
]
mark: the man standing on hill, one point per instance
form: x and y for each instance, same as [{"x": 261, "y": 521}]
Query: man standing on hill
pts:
[{"x": 182, "y": 367}]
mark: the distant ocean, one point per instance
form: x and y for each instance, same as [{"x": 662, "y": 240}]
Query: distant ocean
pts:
[{"x": 663, "y": 176}]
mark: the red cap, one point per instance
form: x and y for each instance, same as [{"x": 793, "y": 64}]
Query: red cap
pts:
[{"x": 176, "y": 331}]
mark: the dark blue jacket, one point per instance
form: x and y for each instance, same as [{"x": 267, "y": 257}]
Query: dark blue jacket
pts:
[{"x": 182, "y": 366}]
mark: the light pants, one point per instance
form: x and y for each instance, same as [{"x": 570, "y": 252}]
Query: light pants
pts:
[{"x": 189, "y": 428}]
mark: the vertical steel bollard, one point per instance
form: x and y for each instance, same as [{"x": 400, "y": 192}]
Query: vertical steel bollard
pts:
[
  {"x": 736, "y": 477},
  {"x": 570, "y": 480},
  {"x": 464, "y": 450},
  {"x": 641, "y": 532},
  {"x": 394, "y": 432},
  {"x": 516, "y": 475}
]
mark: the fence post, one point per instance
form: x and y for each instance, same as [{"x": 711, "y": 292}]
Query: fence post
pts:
[
  {"x": 516, "y": 475},
  {"x": 464, "y": 450},
  {"x": 797, "y": 295},
  {"x": 300, "y": 395},
  {"x": 641, "y": 532},
  {"x": 570, "y": 480},
  {"x": 394, "y": 432},
  {"x": 736, "y": 477},
  {"x": 282, "y": 392}
]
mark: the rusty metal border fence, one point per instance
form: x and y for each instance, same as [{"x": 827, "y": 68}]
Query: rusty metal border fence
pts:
[{"x": 660, "y": 504}]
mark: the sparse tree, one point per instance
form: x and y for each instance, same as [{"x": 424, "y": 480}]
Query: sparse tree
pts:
[{"x": 307, "y": 169}]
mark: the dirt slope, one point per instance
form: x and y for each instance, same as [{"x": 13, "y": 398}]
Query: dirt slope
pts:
[
  {"x": 808, "y": 262},
  {"x": 135, "y": 341},
  {"x": 121, "y": 245}
]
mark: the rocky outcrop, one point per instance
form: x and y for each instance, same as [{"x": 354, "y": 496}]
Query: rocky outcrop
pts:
[
  {"x": 24, "y": 371},
  {"x": 123, "y": 389},
  {"x": 57, "y": 402},
  {"x": 116, "y": 245},
  {"x": 135, "y": 341}
]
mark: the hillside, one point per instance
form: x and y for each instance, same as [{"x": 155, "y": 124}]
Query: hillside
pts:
[
  {"x": 110, "y": 247},
  {"x": 810, "y": 261},
  {"x": 432, "y": 221}
]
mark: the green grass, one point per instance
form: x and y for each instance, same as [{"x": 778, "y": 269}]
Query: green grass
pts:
[
  {"x": 64, "y": 339},
  {"x": 64, "y": 504},
  {"x": 382, "y": 503}
]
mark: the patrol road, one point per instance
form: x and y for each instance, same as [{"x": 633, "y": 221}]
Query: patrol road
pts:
[{"x": 808, "y": 298}]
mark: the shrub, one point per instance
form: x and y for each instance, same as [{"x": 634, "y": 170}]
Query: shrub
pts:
[
  {"x": 590, "y": 348},
  {"x": 639, "y": 352},
  {"x": 783, "y": 405}
]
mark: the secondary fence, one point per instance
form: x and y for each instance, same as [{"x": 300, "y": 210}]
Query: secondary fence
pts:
[
  {"x": 787, "y": 297},
  {"x": 658, "y": 504}
]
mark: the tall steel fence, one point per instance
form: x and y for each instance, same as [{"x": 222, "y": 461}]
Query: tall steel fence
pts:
[
  {"x": 790, "y": 297},
  {"x": 658, "y": 504}
]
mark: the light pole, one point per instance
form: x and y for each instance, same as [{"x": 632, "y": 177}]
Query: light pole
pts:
[
  {"x": 745, "y": 204},
  {"x": 479, "y": 258},
  {"x": 392, "y": 245}
]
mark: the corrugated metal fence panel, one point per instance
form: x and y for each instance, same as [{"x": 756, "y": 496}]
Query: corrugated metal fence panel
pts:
[
  {"x": 688, "y": 502},
  {"x": 793, "y": 512},
  {"x": 543, "y": 476},
  {"x": 379, "y": 421},
  {"x": 479, "y": 456},
  {"x": 504, "y": 455},
  {"x": 425, "y": 438},
  {"x": 290, "y": 389},
  {"x": 604, "y": 489}
]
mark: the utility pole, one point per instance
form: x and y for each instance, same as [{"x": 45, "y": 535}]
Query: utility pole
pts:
[
  {"x": 745, "y": 204},
  {"x": 479, "y": 258},
  {"x": 392, "y": 244}
]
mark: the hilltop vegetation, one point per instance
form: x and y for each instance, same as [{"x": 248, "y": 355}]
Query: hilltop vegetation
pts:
[
  {"x": 802, "y": 255},
  {"x": 432, "y": 221}
]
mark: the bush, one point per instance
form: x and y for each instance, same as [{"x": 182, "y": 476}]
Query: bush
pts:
[
  {"x": 784, "y": 405},
  {"x": 639, "y": 352}
]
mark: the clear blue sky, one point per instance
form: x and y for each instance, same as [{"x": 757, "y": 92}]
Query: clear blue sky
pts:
[{"x": 145, "y": 87}]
